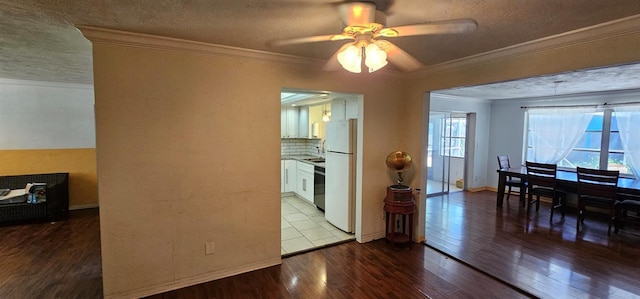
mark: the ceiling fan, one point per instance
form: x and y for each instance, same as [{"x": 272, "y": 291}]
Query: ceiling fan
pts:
[{"x": 365, "y": 26}]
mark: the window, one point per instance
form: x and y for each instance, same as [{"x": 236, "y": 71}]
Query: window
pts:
[
  {"x": 587, "y": 152},
  {"x": 585, "y": 137},
  {"x": 616, "y": 158},
  {"x": 452, "y": 142}
]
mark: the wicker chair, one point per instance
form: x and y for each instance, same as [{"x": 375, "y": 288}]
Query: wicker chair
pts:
[{"x": 55, "y": 208}]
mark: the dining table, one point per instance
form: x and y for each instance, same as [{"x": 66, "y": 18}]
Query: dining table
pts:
[{"x": 567, "y": 181}]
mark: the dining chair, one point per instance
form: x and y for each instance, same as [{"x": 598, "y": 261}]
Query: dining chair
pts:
[
  {"x": 629, "y": 203},
  {"x": 541, "y": 179},
  {"x": 511, "y": 182},
  {"x": 597, "y": 188}
]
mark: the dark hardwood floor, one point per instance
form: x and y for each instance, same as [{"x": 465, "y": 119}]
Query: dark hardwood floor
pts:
[
  {"x": 52, "y": 260},
  {"x": 473, "y": 250},
  {"x": 547, "y": 259},
  {"x": 352, "y": 270}
]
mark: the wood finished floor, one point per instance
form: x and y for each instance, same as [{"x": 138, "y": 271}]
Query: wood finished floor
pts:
[
  {"x": 547, "y": 259},
  {"x": 483, "y": 247},
  {"x": 52, "y": 260}
]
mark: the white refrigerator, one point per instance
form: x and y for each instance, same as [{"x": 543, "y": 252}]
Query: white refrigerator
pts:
[{"x": 340, "y": 174}]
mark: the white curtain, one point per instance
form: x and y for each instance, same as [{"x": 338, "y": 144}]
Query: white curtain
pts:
[
  {"x": 554, "y": 132},
  {"x": 628, "y": 118}
]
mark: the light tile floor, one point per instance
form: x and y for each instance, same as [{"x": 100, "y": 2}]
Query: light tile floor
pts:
[{"x": 304, "y": 227}]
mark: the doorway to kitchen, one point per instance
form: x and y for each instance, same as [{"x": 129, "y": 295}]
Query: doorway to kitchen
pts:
[
  {"x": 306, "y": 196},
  {"x": 446, "y": 152}
]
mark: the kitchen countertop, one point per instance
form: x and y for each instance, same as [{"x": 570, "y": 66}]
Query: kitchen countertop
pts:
[{"x": 302, "y": 159}]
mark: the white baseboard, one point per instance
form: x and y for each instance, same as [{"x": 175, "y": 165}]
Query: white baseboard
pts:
[{"x": 370, "y": 237}]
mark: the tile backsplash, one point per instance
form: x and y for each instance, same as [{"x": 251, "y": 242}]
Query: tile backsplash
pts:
[{"x": 301, "y": 147}]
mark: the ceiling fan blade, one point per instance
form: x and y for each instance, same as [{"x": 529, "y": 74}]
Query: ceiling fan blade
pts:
[
  {"x": 333, "y": 64},
  {"x": 308, "y": 39},
  {"x": 399, "y": 57},
  {"x": 443, "y": 27},
  {"x": 357, "y": 13}
]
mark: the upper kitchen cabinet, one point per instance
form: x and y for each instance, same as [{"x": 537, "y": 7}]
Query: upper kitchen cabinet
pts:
[
  {"x": 305, "y": 113},
  {"x": 303, "y": 122},
  {"x": 289, "y": 122},
  {"x": 351, "y": 108},
  {"x": 295, "y": 122},
  {"x": 338, "y": 110},
  {"x": 343, "y": 109}
]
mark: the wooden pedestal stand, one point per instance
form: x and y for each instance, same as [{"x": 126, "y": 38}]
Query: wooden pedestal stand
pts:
[{"x": 399, "y": 202}]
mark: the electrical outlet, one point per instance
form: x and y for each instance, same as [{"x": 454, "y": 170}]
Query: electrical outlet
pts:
[{"x": 209, "y": 248}]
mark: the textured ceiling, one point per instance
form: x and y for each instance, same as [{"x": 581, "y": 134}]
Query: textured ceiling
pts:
[
  {"x": 38, "y": 40},
  {"x": 623, "y": 77}
]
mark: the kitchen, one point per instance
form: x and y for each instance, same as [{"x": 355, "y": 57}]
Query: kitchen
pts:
[{"x": 318, "y": 159}]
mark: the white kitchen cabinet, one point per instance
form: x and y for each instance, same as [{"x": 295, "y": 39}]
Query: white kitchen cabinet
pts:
[
  {"x": 305, "y": 186},
  {"x": 305, "y": 181},
  {"x": 351, "y": 109},
  {"x": 303, "y": 122},
  {"x": 283, "y": 122},
  {"x": 338, "y": 110},
  {"x": 289, "y": 122},
  {"x": 282, "y": 176},
  {"x": 294, "y": 122},
  {"x": 290, "y": 175}
]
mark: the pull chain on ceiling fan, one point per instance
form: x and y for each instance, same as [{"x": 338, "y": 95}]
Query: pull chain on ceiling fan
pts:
[{"x": 365, "y": 25}]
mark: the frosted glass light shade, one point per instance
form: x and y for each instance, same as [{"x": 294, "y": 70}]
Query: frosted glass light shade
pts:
[
  {"x": 376, "y": 58},
  {"x": 351, "y": 59}
]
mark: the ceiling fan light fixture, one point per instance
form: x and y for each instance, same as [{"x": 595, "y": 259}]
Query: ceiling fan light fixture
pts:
[
  {"x": 365, "y": 22},
  {"x": 375, "y": 58},
  {"x": 351, "y": 58}
]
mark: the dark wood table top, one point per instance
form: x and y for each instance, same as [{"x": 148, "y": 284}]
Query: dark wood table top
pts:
[{"x": 630, "y": 184}]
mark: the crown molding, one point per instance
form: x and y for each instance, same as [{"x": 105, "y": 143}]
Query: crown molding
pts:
[
  {"x": 435, "y": 94},
  {"x": 621, "y": 27},
  {"x": 99, "y": 35},
  {"x": 17, "y": 82},
  {"x": 597, "y": 97}
]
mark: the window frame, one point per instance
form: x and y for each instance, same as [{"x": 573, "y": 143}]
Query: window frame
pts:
[
  {"x": 447, "y": 140},
  {"x": 603, "y": 151}
]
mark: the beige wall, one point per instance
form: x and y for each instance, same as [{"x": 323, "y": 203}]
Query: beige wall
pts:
[
  {"x": 188, "y": 148},
  {"x": 189, "y": 152}
]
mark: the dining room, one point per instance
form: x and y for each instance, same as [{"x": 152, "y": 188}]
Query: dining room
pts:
[{"x": 580, "y": 121}]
